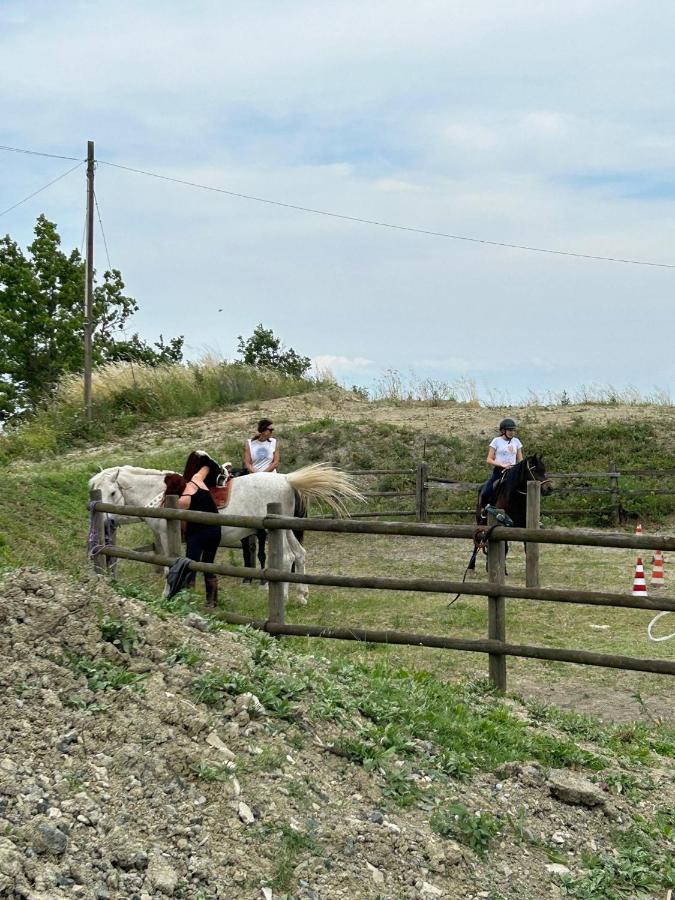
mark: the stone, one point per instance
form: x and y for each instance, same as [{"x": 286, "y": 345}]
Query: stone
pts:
[
  {"x": 430, "y": 890},
  {"x": 575, "y": 789},
  {"x": 46, "y": 838},
  {"x": 214, "y": 741},
  {"x": 11, "y": 861},
  {"x": 245, "y": 814},
  {"x": 376, "y": 874},
  {"x": 557, "y": 869},
  {"x": 161, "y": 875},
  {"x": 192, "y": 620}
]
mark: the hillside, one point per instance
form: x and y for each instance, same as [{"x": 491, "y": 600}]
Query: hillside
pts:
[{"x": 145, "y": 752}]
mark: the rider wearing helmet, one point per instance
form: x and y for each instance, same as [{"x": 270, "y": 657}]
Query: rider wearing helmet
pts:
[{"x": 505, "y": 451}]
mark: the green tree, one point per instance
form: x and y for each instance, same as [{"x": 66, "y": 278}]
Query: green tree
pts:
[
  {"x": 42, "y": 320},
  {"x": 264, "y": 350}
]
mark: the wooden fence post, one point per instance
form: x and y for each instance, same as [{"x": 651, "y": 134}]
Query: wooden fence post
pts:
[
  {"x": 173, "y": 536},
  {"x": 496, "y": 610},
  {"x": 275, "y": 560},
  {"x": 100, "y": 561},
  {"x": 421, "y": 492},
  {"x": 532, "y": 521},
  {"x": 615, "y": 500}
]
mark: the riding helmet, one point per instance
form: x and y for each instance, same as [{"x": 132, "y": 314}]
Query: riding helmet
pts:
[{"x": 507, "y": 423}]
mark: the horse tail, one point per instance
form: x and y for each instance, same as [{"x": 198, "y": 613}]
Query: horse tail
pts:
[
  {"x": 300, "y": 512},
  {"x": 323, "y": 482}
]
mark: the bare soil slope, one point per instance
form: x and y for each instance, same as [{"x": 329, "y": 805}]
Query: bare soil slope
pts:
[{"x": 119, "y": 780}]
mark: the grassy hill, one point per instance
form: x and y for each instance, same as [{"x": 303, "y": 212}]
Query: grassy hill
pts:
[{"x": 404, "y": 734}]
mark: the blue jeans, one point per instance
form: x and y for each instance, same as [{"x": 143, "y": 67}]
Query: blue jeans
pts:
[{"x": 487, "y": 495}]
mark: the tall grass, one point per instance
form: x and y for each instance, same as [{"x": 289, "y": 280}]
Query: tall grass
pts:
[{"x": 125, "y": 395}]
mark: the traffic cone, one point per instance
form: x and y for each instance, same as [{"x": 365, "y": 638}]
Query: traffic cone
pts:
[
  {"x": 639, "y": 583},
  {"x": 658, "y": 579}
]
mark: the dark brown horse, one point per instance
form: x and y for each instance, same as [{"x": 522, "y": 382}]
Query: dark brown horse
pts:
[{"x": 510, "y": 494}]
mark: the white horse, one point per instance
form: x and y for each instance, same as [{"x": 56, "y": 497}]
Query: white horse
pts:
[{"x": 249, "y": 496}]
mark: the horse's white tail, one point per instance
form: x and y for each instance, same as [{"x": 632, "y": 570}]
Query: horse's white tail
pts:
[{"x": 322, "y": 482}]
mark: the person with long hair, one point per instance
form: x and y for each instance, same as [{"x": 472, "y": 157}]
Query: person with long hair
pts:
[{"x": 202, "y": 541}]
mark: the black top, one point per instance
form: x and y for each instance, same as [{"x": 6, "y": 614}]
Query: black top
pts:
[{"x": 201, "y": 501}]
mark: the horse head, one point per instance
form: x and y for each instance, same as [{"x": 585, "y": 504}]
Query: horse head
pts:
[{"x": 536, "y": 471}]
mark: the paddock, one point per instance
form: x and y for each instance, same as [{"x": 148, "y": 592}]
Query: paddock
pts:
[{"x": 341, "y": 606}]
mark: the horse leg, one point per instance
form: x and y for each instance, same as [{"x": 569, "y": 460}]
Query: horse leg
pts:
[
  {"x": 262, "y": 551},
  {"x": 298, "y": 565},
  {"x": 248, "y": 549}
]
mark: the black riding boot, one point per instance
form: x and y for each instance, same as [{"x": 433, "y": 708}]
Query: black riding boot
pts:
[{"x": 211, "y": 584}]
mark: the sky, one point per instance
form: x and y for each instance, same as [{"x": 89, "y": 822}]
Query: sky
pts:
[{"x": 549, "y": 125}]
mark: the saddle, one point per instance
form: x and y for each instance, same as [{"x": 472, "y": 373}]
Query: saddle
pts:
[{"x": 221, "y": 495}]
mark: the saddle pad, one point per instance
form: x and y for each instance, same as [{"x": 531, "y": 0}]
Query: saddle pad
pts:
[{"x": 221, "y": 495}]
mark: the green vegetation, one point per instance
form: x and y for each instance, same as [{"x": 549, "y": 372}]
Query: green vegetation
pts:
[
  {"x": 120, "y": 634},
  {"x": 42, "y": 318},
  {"x": 126, "y": 396},
  {"x": 577, "y": 447},
  {"x": 475, "y": 829}
]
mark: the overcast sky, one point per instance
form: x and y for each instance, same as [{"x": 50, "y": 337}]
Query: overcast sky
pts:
[{"x": 544, "y": 124}]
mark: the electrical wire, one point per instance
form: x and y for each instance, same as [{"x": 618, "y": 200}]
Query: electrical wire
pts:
[
  {"x": 39, "y": 191},
  {"x": 408, "y": 228},
  {"x": 38, "y": 153},
  {"x": 345, "y": 218},
  {"x": 105, "y": 243}
]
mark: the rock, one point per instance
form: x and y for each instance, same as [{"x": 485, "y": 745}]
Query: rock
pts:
[
  {"x": 575, "y": 789},
  {"x": 430, "y": 890},
  {"x": 45, "y": 837},
  {"x": 557, "y": 869},
  {"x": 214, "y": 741},
  {"x": 161, "y": 875},
  {"x": 245, "y": 814},
  {"x": 267, "y": 893},
  {"x": 376, "y": 874},
  {"x": 192, "y": 620},
  {"x": 11, "y": 861},
  {"x": 248, "y": 703}
]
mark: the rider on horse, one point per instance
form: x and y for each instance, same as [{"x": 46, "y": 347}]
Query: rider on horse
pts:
[{"x": 505, "y": 451}]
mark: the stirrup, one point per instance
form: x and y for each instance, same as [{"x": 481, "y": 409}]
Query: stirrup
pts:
[{"x": 499, "y": 515}]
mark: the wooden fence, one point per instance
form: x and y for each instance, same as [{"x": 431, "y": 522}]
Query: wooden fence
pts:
[
  {"x": 424, "y": 483},
  {"x": 495, "y": 589}
]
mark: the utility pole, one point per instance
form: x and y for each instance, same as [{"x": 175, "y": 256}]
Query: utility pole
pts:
[{"x": 89, "y": 282}]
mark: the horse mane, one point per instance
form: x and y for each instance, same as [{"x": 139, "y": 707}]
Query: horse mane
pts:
[{"x": 517, "y": 474}]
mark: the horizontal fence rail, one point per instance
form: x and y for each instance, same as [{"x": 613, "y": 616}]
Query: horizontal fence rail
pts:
[
  {"x": 613, "y": 510},
  {"x": 495, "y": 589},
  {"x": 418, "y": 529}
]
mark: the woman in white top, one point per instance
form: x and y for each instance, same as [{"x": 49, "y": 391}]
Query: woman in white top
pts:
[
  {"x": 505, "y": 451},
  {"x": 261, "y": 453}
]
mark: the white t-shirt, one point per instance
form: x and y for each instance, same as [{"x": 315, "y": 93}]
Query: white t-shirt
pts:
[
  {"x": 506, "y": 452},
  {"x": 262, "y": 453}
]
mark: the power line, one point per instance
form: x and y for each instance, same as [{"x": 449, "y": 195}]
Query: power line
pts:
[
  {"x": 408, "y": 228},
  {"x": 38, "y": 153},
  {"x": 105, "y": 243},
  {"x": 39, "y": 191}
]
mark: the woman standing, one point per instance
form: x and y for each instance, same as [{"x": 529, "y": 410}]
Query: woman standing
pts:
[
  {"x": 200, "y": 473},
  {"x": 261, "y": 453}
]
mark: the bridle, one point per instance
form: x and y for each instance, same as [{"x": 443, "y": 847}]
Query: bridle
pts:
[{"x": 533, "y": 476}]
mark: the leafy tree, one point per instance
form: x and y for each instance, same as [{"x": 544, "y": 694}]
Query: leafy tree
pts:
[
  {"x": 42, "y": 320},
  {"x": 264, "y": 350}
]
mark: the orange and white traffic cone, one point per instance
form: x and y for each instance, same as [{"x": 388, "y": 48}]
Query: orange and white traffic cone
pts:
[
  {"x": 639, "y": 583},
  {"x": 658, "y": 574}
]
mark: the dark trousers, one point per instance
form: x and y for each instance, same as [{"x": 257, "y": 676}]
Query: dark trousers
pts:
[
  {"x": 487, "y": 495},
  {"x": 201, "y": 546}
]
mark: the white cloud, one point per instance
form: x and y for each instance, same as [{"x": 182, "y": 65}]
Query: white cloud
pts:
[
  {"x": 341, "y": 363},
  {"x": 540, "y": 124}
]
